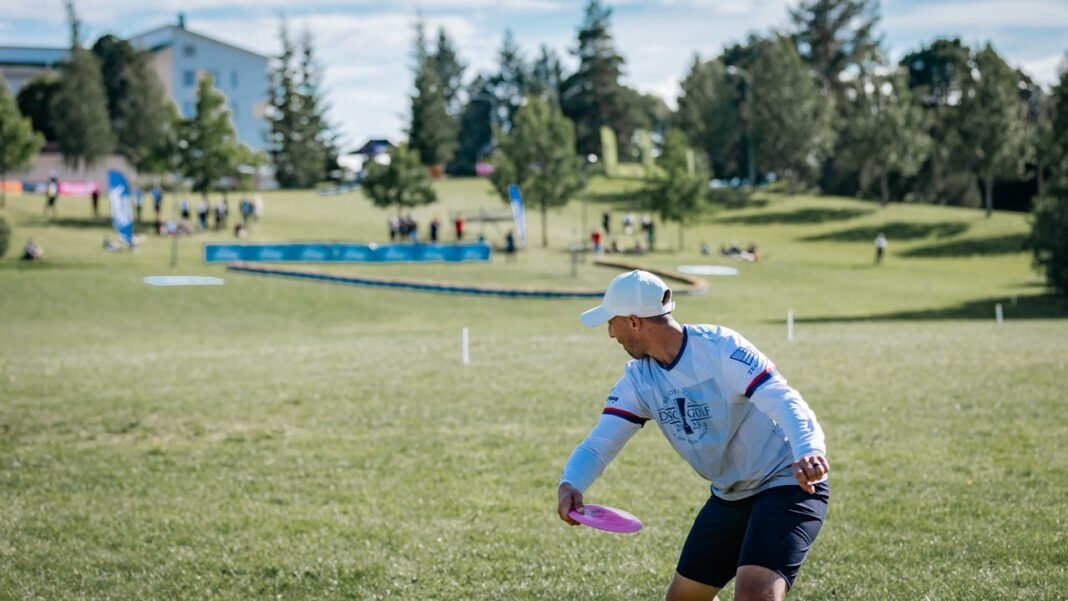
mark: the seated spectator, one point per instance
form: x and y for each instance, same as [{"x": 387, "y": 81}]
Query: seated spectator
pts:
[
  {"x": 240, "y": 231},
  {"x": 32, "y": 252}
]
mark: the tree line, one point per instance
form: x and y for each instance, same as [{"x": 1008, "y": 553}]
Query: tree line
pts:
[{"x": 819, "y": 105}]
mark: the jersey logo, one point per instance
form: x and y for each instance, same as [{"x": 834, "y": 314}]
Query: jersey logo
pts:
[
  {"x": 744, "y": 355},
  {"x": 612, "y": 400},
  {"x": 686, "y": 416}
]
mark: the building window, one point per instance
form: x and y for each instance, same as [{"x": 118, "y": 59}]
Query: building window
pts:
[
  {"x": 189, "y": 50},
  {"x": 233, "y": 78},
  {"x": 189, "y": 78}
]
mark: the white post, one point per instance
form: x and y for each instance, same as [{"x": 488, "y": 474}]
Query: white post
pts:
[
  {"x": 789, "y": 324},
  {"x": 997, "y": 313},
  {"x": 465, "y": 355}
]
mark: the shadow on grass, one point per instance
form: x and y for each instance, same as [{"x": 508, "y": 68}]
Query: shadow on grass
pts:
[
  {"x": 736, "y": 198},
  {"x": 897, "y": 230},
  {"x": 632, "y": 201},
  {"x": 1044, "y": 306},
  {"x": 1000, "y": 245},
  {"x": 803, "y": 216},
  {"x": 83, "y": 223}
]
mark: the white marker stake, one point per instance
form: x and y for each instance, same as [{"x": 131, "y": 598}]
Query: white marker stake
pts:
[
  {"x": 465, "y": 355},
  {"x": 997, "y": 313},
  {"x": 789, "y": 324}
]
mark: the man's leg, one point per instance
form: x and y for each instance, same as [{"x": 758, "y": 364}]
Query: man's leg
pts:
[
  {"x": 757, "y": 583},
  {"x": 684, "y": 589}
]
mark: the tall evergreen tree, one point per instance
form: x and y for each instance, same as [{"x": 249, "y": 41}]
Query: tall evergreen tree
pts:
[
  {"x": 538, "y": 155},
  {"x": 35, "y": 102},
  {"x": 792, "y": 119},
  {"x": 476, "y": 127},
  {"x": 115, "y": 55},
  {"x": 147, "y": 117},
  {"x": 708, "y": 114},
  {"x": 403, "y": 183},
  {"x": 592, "y": 97},
  {"x": 834, "y": 36},
  {"x": 546, "y": 76},
  {"x": 302, "y": 145},
  {"x": 887, "y": 130},
  {"x": 450, "y": 72},
  {"x": 79, "y": 108},
  {"x": 992, "y": 121},
  {"x": 511, "y": 81},
  {"x": 19, "y": 143},
  {"x": 432, "y": 132},
  {"x": 1048, "y": 240},
  {"x": 679, "y": 194},
  {"x": 211, "y": 150}
]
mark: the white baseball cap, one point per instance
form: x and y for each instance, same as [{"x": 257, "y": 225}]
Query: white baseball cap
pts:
[{"x": 637, "y": 293}]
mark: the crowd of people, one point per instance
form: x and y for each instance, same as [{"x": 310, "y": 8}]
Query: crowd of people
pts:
[{"x": 635, "y": 244}]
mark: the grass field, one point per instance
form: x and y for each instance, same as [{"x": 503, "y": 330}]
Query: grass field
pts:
[{"x": 293, "y": 440}]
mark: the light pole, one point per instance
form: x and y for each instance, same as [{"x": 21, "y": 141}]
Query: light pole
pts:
[
  {"x": 589, "y": 160},
  {"x": 733, "y": 70}
]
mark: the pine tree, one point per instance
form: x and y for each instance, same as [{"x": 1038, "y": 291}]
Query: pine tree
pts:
[
  {"x": 148, "y": 118},
  {"x": 708, "y": 114},
  {"x": 432, "y": 132},
  {"x": 79, "y": 108},
  {"x": 992, "y": 121},
  {"x": 476, "y": 127},
  {"x": 592, "y": 97},
  {"x": 403, "y": 183},
  {"x": 19, "y": 143},
  {"x": 510, "y": 83},
  {"x": 792, "y": 129},
  {"x": 546, "y": 76},
  {"x": 1048, "y": 240},
  {"x": 211, "y": 150},
  {"x": 835, "y": 36},
  {"x": 450, "y": 72},
  {"x": 538, "y": 155}
]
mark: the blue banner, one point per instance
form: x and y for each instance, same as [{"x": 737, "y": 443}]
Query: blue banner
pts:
[
  {"x": 312, "y": 252},
  {"x": 121, "y": 213},
  {"x": 518, "y": 213}
]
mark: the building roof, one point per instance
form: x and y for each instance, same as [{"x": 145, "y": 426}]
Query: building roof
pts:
[
  {"x": 173, "y": 30},
  {"x": 35, "y": 57}
]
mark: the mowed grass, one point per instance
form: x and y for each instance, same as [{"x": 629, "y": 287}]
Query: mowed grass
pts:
[{"x": 283, "y": 439}]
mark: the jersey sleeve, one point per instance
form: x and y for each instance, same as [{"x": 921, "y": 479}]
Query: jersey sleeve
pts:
[
  {"x": 749, "y": 373},
  {"x": 623, "y": 415}
]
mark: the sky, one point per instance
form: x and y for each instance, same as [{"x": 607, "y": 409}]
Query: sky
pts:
[{"x": 365, "y": 46}]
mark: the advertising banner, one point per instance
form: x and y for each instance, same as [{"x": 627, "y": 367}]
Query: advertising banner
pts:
[{"x": 312, "y": 252}]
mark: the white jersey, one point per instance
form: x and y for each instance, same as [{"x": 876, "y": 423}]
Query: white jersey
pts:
[{"x": 723, "y": 407}]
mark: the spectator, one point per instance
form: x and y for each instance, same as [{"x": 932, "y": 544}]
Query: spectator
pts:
[
  {"x": 459, "y": 224},
  {"x": 509, "y": 246},
  {"x": 257, "y": 207},
  {"x": 880, "y": 248},
  {"x": 595, "y": 237},
  {"x": 32, "y": 252},
  {"x": 628, "y": 223},
  {"x": 139, "y": 201},
  {"x": 183, "y": 208},
  {"x": 394, "y": 227},
  {"x": 606, "y": 223},
  {"x": 157, "y": 199},
  {"x": 240, "y": 231},
  {"x": 94, "y": 198},
  {"x": 435, "y": 224},
  {"x": 202, "y": 212},
  {"x": 51, "y": 195}
]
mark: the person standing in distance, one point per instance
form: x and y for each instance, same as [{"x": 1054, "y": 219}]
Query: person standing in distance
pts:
[{"x": 727, "y": 411}]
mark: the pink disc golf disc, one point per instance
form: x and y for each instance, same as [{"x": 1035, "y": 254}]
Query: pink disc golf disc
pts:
[{"x": 607, "y": 518}]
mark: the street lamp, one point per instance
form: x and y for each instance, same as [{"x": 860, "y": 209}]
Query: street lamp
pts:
[
  {"x": 589, "y": 160},
  {"x": 733, "y": 70}
]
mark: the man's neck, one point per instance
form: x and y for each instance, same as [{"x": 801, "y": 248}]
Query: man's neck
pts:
[{"x": 667, "y": 344}]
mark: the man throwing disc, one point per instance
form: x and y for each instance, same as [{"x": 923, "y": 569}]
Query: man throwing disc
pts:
[{"x": 727, "y": 411}]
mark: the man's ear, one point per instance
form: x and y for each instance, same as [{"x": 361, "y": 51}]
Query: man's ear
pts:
[{"x": 635, "y": 322}]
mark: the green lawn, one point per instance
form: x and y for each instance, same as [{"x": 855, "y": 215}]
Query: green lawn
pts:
[{"x": 282, "y": 439}]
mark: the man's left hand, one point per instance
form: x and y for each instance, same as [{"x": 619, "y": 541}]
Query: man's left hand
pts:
[{"x": 810, "y": 470}]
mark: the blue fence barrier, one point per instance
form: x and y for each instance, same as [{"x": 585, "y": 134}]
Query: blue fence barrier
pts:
[{"x": 313, "y": 252}]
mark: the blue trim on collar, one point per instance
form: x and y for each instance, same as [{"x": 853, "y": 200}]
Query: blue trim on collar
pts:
[{"x": 682, "y": 349}]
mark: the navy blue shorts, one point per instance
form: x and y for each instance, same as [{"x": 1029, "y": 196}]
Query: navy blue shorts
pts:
[{"x": 773, "y": 529}]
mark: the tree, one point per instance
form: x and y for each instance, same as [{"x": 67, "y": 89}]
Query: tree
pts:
[
  {"x": 538, "y": 155},
  {"x": 936, "y": 76},
  {"x": 403, "y": 183},
  {"x": 1049, "y": 222},
  {"x": 510, "y": 83},
  {"x": 708, "y": 114},
  {"x": 432, "y": 132},
  {"x": 992, "y": 121},
  {"x": 450, "y": 72},
  {"x": 302, "y": 145},
  {"x": 18, "y": 142},
  {"x": 679, "y": 194},
  {"x": 546, "y": 76},
  {"x": 887, "y": 130},
  {"x": 35, "y": 102},
  {"x": 115, "y": 55},
  {"x": 79, "y": 108},
  {"x": 592, "y": 97},
  {"x": 476, "y": 127},
  {"x": 209, "y": 147},
  {"x": 836, "y": 35},
  {"x": 147, "y": 118},
  {"x": 792, "y": 129}
]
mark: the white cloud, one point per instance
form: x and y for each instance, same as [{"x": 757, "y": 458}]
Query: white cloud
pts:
[
  {"x": 1045, "y": 70},
  {"x": 973, "y": 15}
]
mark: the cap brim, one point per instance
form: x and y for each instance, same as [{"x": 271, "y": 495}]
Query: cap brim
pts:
[{"x": 596, "y": 316}]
